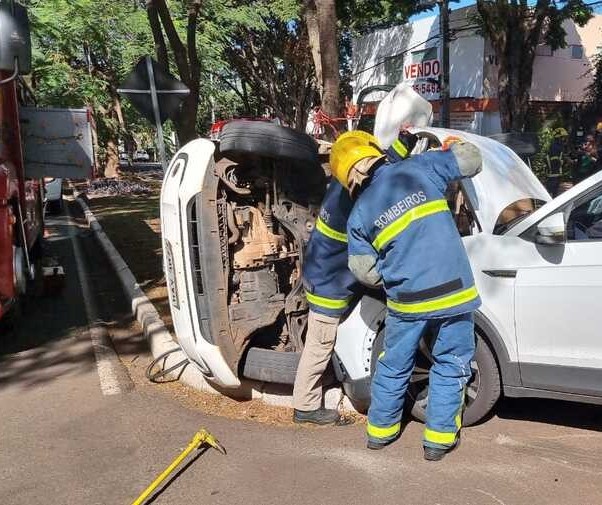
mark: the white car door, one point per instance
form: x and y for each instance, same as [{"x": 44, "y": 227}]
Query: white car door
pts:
[{"x": 558, "y": 299}]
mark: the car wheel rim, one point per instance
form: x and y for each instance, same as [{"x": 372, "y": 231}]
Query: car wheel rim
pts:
[{"x": 419, "y": 382}]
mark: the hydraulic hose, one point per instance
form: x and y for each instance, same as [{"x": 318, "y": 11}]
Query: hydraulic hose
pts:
[{"x": 157, "y": 376}]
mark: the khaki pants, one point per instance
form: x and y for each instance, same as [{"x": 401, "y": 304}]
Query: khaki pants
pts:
[{"x": 319, "y": 343}]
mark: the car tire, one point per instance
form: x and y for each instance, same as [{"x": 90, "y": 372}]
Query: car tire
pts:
[
  {"x": 267, "y": 139},
  {"x": 483, "y": 389}
]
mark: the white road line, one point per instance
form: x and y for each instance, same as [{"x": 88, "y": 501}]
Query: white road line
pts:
[{"x": 105, "y": 355}]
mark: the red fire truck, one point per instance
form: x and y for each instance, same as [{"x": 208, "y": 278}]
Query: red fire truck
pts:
[
  {"x": 21, "y": 208},
  {"x": 34, "y": 143}
]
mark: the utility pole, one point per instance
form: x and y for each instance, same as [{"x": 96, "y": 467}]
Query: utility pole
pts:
[{"x": 444, "y": 78}]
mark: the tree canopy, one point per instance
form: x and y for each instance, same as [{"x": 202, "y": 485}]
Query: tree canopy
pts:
[{"x": 515, "y": 29}]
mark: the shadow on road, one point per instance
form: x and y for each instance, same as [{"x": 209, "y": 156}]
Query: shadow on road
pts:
[
  {"x": 557, "y": 412},
  {"x": 50, "y": 338}
]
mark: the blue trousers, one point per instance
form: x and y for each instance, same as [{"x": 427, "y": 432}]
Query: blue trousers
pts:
[{"x": 453, "y": 349}]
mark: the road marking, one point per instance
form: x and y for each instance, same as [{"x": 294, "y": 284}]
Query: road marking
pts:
[{"x": 106, "y": 359}]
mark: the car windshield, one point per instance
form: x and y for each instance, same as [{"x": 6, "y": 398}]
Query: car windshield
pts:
[{"x": 515, "y": 213}]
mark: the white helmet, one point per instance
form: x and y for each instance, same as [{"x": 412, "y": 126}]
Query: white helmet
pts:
[{"x": 401, "y": 108}]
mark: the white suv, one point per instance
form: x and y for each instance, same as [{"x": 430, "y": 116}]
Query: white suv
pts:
[{"x": 235, "y": 219}]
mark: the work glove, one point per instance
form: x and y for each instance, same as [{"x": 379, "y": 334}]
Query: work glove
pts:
[
  {"x": 468, "y": 156},
  {"x": 363, "y": 266}
]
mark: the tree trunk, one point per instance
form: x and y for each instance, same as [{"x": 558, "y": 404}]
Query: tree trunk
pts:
[
  {"x": 313, "y": 33},
  {"x": 185, "y": 123},
  {"x": 158, "y": 38},
  {"x": 515, "y": 76},
  {"x": 112, "y": 158},
  {"x": 514, "y": 29},
  {"x": 329, "y": 48},
  {"x": 186, "y": 59}
]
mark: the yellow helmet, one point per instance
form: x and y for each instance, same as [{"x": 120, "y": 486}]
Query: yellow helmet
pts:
[
  {"x": 599, "y": 127},
  {"x": 350, "y": 148}
]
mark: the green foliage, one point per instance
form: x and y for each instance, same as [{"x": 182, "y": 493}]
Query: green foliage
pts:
[
  {"x": 545, "y": 137},
  {"x": 358, "y": 16},
  {"x": 592, "y": 106},
  {"x": 82, "y": 51}
]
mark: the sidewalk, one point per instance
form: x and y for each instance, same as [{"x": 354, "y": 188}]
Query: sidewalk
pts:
[{"x": 132, "y": 223}]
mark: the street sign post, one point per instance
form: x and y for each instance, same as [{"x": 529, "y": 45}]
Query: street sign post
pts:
[{"x": 156, "y": 94}]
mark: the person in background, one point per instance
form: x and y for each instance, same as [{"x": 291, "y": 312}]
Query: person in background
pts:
[
  {"x": 587, "y": 162},
  {"x": 350, "y": 112},
  {"x": 556, "y": 159}
]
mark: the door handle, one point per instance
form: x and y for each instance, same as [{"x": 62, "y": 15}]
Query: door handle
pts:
[{"x": 510, "y": 274}]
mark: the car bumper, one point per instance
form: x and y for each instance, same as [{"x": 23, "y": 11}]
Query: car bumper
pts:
[{"x": 181, "y": 186}]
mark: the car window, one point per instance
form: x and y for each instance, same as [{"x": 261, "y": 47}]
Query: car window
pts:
[
  {"x": 515, "y": 213},
  {"x": 585, "y": 218}
]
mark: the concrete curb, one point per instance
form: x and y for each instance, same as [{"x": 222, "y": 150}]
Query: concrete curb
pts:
[{"x": 161, "y": 341}]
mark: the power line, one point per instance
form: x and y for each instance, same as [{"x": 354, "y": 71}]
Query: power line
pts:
[
  {"x": 393, "y": 56},
  {"x": 453, "y": 31}
]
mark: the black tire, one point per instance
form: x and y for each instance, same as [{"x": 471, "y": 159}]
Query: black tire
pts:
[
  {"x": 267, "y": 365},
  {"x": 267, "y": 139},
  {"x": 483, "y": 390}
]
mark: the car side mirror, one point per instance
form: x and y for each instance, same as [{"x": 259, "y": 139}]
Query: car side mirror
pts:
[
  {"x": 15, "y": 40},
  {"x": 551, "y": 230}
]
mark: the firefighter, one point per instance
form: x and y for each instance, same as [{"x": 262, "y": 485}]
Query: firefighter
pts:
[
  {"x": 329, "y": 285},
  {"x": 401, "y": 235}
]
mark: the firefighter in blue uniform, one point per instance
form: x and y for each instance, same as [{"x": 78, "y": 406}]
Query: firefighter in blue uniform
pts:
[
  {"x": 329, "y": 287},
  {"x": 401, "y": 235}
]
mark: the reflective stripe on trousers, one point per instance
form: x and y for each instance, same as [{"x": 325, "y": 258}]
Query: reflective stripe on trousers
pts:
[
  {"x": 327, "y": 303},
  {"x": 383, "y": 432}
]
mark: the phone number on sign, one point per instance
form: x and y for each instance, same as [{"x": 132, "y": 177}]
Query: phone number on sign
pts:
[{"x": 426, "y": 87}]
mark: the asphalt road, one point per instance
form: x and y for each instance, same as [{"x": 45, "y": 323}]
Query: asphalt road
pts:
[{"x": 63, "y": 441}]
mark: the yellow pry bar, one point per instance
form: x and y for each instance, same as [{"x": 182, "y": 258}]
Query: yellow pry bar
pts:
[{"x": 200, "y": 438}]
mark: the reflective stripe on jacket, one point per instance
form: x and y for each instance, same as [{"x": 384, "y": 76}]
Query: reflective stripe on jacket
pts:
[
  {"x": 328, "y": 282},
  {"x": 402, "y": 219}
]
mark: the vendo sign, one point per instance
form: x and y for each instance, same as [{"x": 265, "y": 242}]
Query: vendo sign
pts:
[{"x": 430, "y": 68}]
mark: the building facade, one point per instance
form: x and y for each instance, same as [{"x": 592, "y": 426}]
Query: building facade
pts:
[{"x": 412, "y": 53}]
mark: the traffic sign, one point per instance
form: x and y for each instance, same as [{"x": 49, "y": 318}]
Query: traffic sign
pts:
[{"x": 156, "y": 94}]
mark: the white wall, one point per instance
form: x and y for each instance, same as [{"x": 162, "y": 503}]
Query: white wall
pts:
[
  {"x": 466, "y": 57},
  {"x": 560, "y": 77}
]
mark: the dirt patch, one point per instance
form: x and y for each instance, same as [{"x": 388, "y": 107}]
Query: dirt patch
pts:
[{"x": 254, "y": 410}]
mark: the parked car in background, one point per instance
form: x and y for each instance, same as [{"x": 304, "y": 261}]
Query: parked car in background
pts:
[
  {"x": 235, "y": 221},
  {"x": 141, "y": 155},
  {"x": 53, "y": 194}
]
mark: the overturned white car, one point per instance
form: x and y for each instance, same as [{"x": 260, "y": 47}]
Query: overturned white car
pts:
[{"x": 235, "y": 220}]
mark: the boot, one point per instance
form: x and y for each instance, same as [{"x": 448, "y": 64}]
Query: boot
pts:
[
  {"x": 318, "y": 416},
  {"x": 437, "y": 454}
]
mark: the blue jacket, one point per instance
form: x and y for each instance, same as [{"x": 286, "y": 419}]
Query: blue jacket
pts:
[
  {"x": 402, "y": 223},
  {"x": 329, "y": 284}
]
